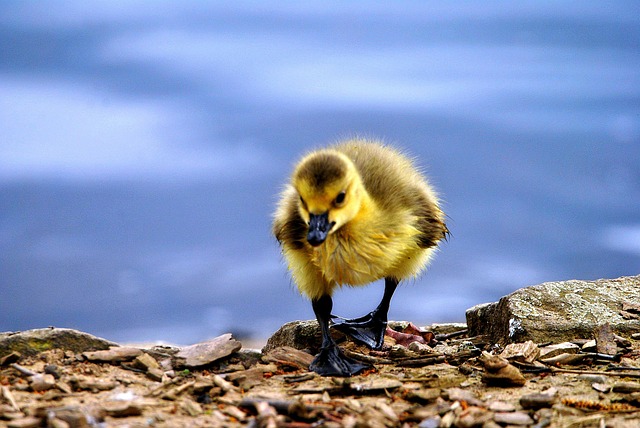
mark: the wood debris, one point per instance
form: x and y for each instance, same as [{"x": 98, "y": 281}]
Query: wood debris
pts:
[{"x": 411, "y": 386}]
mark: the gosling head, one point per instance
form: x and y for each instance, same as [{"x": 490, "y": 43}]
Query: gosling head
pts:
[{"x": 330, "y": 191}]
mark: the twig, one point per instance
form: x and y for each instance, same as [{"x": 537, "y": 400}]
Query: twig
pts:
[
  {"x": 295, "y": 378},
  {"x": 367, "y": 358},
  {"x": 462, "y": 356},
  {"x": 531, "y": 368},
  {"x": 418, "y": 379},
  {"x": 594, "y": 372},
  {"x": 619, "y": 367},
  {"x": 422, "y": 361},
  {"x": 601, "y": 357},
  {"x": 448, "y": 336},
  {"x": 429, "y": 355},
  {"x": 182, "y": 388},
  {"x": 23, "y": 370}
]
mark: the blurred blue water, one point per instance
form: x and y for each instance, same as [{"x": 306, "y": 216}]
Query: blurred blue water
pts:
[{"x": 143, "y": 145}]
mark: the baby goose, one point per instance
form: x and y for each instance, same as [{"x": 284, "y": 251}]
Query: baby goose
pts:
[{"x": 354, "y": 213}]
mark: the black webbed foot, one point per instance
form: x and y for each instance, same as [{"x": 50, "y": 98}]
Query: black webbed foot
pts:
[
  {"x": 368, "y": 330},
  {"x": 332, "y": 362}
]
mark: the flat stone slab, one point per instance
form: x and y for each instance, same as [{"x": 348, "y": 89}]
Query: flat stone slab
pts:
[
  {"x": 558, "y": 311},
  {"x": 32, "y": 342},
  {"x": 207, "y": 352},
  {"x": 114, "y": 354}
]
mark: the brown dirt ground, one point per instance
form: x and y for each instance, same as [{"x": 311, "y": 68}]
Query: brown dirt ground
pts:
[{"x": 247, "y": 389}]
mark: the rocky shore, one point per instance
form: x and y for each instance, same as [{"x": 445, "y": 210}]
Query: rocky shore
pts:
[{"x": 563, "y": 354}]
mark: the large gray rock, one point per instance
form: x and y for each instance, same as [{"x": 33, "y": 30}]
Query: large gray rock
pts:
[
  {"x": 302, "y": 335},
  {"x": 305, "y": 335},
  {"x": 559, "y": 311},
  {"x": 32, "y": 342}
]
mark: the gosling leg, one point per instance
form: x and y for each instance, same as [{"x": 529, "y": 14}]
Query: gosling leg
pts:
[
  {"x": 369, "y": 329},
  {"x": 330, "y": 361}
]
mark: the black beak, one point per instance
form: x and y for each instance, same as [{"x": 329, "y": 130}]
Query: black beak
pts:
[{"x": 319, "y": 227}]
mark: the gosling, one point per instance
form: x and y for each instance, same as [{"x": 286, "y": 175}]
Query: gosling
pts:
[{"x": 354, "y": 213}]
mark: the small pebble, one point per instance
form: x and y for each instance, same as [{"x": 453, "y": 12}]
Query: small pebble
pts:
[
  {"x": 76, "y": 415},
  {"x": 155, "y": 374},
  {"x": 191, "y": 407},
  {"x": 458, "y": 394},
  {"x": 386, "y": 410},
  {"x": 430, "y": 422},
  {"x": 501, "y": 406},
  {"x": 424, "y": 395},
  {"x": 537, "y": 401},
  {"x": 492, "y": 363},
  {"x": 56, "y": 423},
  {"x": 145, "y": 361},
  {"x": 94, "y": 384},
  {"x": 122, "y": 409},
  {"x": 234, "y": 412},
  {"x": 498, "y": 371},
  {"x": 513, "y": 418},
  {"x": 52, "y": 369},
  {"x": 590, "y": 346},
  {"x": 39, "y": 382},
  {"x": 399, "y": 351},
  {"x": 505, "y": 377},
  {"x": 593, "y": 378},
  {"x": 420, "y": 348},
  {"x": 447, "y": 419},
  {"x": 370, "y": 385},
  {"x": 601, "y": 387},
  {"x": 473, "y": 416},
  {"x": 543, "y": 417}
]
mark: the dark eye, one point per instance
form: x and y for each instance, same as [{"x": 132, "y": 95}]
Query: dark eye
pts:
[
  {"x": 304, "y": 204},
  {"x": 340, "y": 198}
]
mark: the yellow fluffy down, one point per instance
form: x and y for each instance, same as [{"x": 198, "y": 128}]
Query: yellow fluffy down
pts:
[{"x": 389, "y": 227}]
